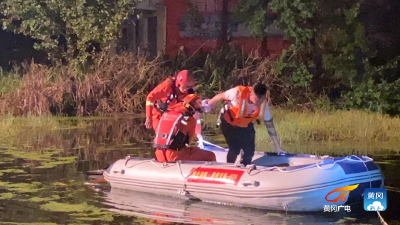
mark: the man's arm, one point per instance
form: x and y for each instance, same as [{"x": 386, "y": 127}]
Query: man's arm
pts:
[
  {"x": 229, "y": 95},
  {"x": 216, "y": 99},
  {"x": 272, "y": 132},
  {"x": 269, "y": 124},
  {"x": 190, "y": 128},
  {"x": 196, "y": 116}
]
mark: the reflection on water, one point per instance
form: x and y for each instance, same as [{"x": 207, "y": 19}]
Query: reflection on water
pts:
[
  {"x": 166, "y": 209},
  {"x": 42, "y": 180}
]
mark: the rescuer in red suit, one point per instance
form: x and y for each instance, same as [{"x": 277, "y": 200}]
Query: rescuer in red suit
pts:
[
  {"x": 176, "y": 130},
  {"x": 168, "y": 93}
]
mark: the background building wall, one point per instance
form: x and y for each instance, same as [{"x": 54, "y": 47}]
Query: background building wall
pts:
[{"x": 179, "y": 31}]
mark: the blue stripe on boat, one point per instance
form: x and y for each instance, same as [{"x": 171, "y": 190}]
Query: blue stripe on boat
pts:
[{"x": 356, "y": 195}]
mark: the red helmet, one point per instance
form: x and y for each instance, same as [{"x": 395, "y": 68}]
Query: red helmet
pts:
[
  {"x": 192, "y": 103},
  {"x": 182, "y": 77}
]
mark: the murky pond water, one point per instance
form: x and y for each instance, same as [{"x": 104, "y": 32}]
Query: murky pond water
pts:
[{"x": 43, "y": 180}]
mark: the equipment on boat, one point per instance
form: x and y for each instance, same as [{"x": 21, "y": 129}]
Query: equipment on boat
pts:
[{"x": 290, "y": 182}]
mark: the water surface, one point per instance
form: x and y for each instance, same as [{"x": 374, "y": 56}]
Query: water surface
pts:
[{"x": 43, "y": 180}]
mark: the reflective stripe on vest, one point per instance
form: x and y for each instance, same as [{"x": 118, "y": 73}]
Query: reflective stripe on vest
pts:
[
  {"x": 173, "y": 94},
  {"x": 243, "y": 108},
  {"x": 263, "y": 107},
  {"x": 239, "y": 113}
]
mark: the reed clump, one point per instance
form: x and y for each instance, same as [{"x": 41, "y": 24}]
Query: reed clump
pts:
[
  {"x": 113, "y": 84},
  {"x": 119, "y": 83}
]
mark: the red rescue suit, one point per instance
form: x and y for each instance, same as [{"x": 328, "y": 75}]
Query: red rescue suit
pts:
[
  {"x": 168, "y": 94},
  {"x": 174, "y": 133},
  {"x": 165, "y": 93}
]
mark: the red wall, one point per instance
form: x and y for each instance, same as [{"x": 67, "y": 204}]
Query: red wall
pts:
[{"x": 174, "y": 9}]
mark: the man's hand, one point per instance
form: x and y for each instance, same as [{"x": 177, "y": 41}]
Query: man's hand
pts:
[
  {"x": 206, "y": 107},
  {"x": 280, "y": 151},
  {"x": 148, "y": 122}
]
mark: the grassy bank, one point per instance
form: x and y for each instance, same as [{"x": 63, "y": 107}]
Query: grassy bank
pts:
[
  {"x": 48, "y": 139},
  {"x": 291, "y": 126},
  {"x": 355, "y": 126},
  {"x": 10, "y": 126}
]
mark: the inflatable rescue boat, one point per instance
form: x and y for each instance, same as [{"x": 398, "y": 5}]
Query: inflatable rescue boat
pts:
[{"x": 290, "y": 182}]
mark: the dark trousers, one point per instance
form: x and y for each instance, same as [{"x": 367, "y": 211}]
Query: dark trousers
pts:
[{"x": 239, "y": 138}]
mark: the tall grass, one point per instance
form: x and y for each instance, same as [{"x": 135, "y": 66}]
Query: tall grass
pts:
[
  {"x": 10, "y": 127},
  {"x": 296, "y": 127},
  {"x": 7, "y": 84},
  {"x": 114, "y": 84}
]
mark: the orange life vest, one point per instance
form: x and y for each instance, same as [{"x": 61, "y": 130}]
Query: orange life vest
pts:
[
  {"x": 168, "y": 136},
  {"x": 237, "y": 115}
]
